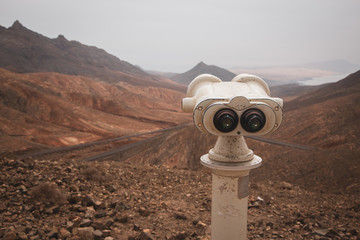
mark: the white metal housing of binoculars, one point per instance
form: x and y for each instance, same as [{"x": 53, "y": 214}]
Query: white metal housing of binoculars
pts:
[{"x": 240, "y": 107}]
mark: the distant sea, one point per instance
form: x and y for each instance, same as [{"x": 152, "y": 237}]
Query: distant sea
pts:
[{"x": 322, "y": 80}]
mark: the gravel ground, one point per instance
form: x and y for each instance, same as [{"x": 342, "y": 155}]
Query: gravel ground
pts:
[{"x": 64, "y": 199}]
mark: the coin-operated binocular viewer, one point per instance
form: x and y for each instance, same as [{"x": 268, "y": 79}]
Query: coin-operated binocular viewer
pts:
[{"x": 231, "y": 110}]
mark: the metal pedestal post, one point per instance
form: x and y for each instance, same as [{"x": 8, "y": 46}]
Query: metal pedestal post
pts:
[{"x": 230, "y": 189}]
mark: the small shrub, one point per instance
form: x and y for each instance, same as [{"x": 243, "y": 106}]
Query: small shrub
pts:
[
  {"x": 48, "y": 193},
  {"x": 93, "y": 172},
  {"x": 86, "y": 233}
]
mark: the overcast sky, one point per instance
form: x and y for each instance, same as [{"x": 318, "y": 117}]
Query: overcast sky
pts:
[{"x": 174, "y": 35}]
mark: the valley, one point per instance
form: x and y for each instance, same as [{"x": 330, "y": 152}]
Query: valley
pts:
[
  {"x": 92, "y": 147},
  {"x": 78, "y": 109}
]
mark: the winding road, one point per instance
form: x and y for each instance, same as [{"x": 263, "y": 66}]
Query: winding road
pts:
[{"x": 126, "y": 147}]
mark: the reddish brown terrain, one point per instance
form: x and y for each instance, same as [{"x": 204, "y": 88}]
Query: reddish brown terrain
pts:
[
  {"x": 66, "y": 93},
  {"x": 327, "y": 119},
  {"x": 55, "y": 109},
  {"x": 152, "y": 186},
  {"x": 153, "y": 194}
]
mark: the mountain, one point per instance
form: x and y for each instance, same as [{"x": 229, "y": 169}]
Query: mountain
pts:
[
  {"x": 25, "y": 51},
  {"x": 51, "y": 109},
  {"x": 325, "y": 116},
  {"x": 348, "y": 88},
  {"x": 201, "y": 68},
  {"x": 55, "y": 92}
]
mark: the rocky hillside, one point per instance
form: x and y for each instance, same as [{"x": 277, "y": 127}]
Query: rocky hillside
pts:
[
  {"x": 347, "y": 88},
  {"x": 25, "y": 51},
  {"x": 60, "y": 197},
  {"x": 322, "y": 115},
  {"x": 201, "y": 68},
  {"x": 56, "y": 92},
  {"x": 50, "y": 109},
  {"x": 325, "y": 118},
  {"x": 327, "y": 115},
  {"x": 295, "y": 194}
]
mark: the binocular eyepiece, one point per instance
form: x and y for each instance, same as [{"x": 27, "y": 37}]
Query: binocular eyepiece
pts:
[
  {"x": 226, "y": 120},
  {"x": 252, "y": 120}
]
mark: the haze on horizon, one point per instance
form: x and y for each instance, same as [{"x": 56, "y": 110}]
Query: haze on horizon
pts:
[{"x": 175, "y": 35}]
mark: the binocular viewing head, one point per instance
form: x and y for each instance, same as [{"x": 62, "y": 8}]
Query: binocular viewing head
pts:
[{"x": 240, "y": 107}]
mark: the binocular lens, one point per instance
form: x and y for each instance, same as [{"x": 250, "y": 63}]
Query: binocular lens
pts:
[
  {"x": 253, "y": 120},
  {"x": 225, "y": 120}
]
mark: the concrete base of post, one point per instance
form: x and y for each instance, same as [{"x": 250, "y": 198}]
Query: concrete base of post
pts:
[{"x": 230, "y": 178}]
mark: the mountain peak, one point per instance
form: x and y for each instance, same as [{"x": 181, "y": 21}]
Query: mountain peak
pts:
[
  {"x": 61, "y": 38},
  {"x": 201, "y": 64},
  {"x": 201, "y": 68},
  {"x": 17, "y": 25},
  {"x": 42, "y": 54}
]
